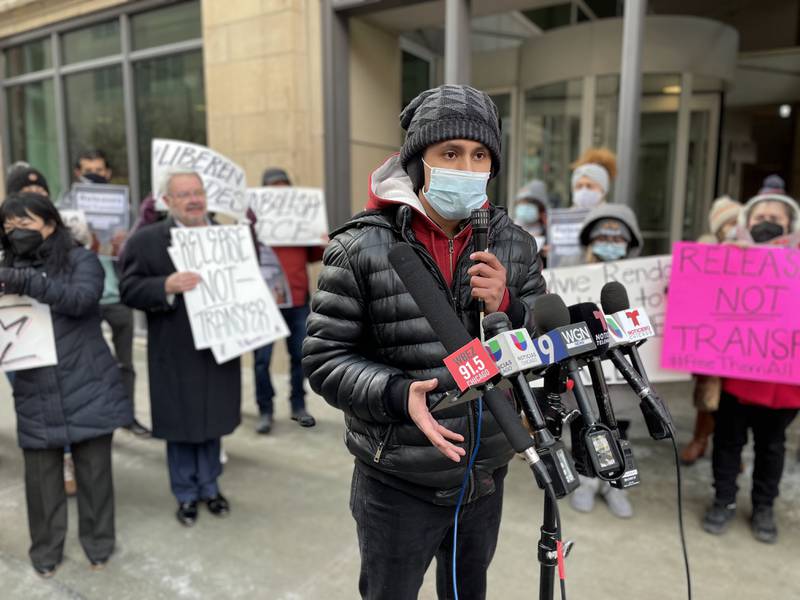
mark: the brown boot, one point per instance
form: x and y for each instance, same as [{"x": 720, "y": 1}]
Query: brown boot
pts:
[{"x": 703, "y": 428}]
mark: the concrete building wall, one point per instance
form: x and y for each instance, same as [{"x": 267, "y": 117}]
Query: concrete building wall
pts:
[
  {"x": 263, "y": 86},
  {"x": 375, "y": 98},
  {"x": 17, "y": 16}
]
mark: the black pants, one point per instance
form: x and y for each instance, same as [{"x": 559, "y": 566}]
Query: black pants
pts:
[
  {"x": 733, "y": 419},
  {"x": 399, "y": 535},
  {"x": 120, "y": 318},
  {"x": 47, "y": 501}
]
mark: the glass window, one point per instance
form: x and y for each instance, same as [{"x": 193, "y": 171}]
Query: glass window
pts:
[
  {"x": 28, "y": 58},
  {"x": 170, "y": 103},
  {"x": 32, "y": 129},
  {"x": 416, "y": 76},
  {"x": 655, "y": 179},
  {"x": 697, "y": 204},
  {"x": 551, "y": 136},
  {"x": 606, "y": 109},
  {"x": 97, "y": 41},
  {"x": 96, "y": 117},
  {"x": 168, "y": 25},
  {"x": 550, "y": 17},
  {"x": 497, "y": 189}
]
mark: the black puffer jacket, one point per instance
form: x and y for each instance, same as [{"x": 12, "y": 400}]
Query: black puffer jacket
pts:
[
  {"x": 367, "y": 341},
  {"x": 82, "y": 397}
]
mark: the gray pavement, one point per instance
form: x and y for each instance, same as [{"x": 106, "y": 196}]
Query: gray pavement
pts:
[{"x": 291, "y": 537}]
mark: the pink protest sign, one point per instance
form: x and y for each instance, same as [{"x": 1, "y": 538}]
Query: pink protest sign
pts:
[{"x": 734, "y": 312}]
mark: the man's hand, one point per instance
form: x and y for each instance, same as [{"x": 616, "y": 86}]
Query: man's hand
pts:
[
  {"x": 487, "y": 280},
  {"x": 181, "y": 282},
  {"x": 433, "y": 430}
]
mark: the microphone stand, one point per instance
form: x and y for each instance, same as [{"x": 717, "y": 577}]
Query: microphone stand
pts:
[{"x": 550, "y": 529}]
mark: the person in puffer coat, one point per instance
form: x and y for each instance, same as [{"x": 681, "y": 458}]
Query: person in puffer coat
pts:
[
  {"x": 78, "y": 402},
  {"x": 371, "y": 353}
]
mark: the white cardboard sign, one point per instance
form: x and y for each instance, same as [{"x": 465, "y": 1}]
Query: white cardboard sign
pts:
[
  {"x": 232, "y": 304},
  {"x": 224, "y": 180},
  {"x": 646, "y": 280},
  {"x": 26, "y": 334},
  {"x": 289, "y": 216}
]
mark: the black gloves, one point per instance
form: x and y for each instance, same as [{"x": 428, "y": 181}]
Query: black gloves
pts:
[{"x": 15, "y": 281}]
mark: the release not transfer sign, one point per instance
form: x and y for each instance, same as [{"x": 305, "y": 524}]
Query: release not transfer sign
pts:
[
  {"x": 733, "y": 312},
  {"x": 231, "y": 308}
]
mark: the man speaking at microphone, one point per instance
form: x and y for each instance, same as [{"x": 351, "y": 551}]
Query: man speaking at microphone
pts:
[{"x": 372, "y": 354}]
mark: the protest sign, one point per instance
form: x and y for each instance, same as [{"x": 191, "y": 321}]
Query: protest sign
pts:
[
  {"x": 563, "y": 231},
  {"x": 733, "y": 312},
  {"x": 223, "y": 179},
  {"x": 646, "y": 281},
  {"x": 26, "y": 334},
  {"x": 274, "y": 277},
  {"x": 106, "y": 207},
  {"x": 231, "y": 303},
  {"x": 289, "y": 216}
]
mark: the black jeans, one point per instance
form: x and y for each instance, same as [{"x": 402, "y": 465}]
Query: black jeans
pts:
[
  {"x": 399, "y": 535},
  {"x": 296, "y": 321},
  {"x": 120, "y": 319},
  {"x": 733, "y": 419},
  {"x": 47, "y": 501}
]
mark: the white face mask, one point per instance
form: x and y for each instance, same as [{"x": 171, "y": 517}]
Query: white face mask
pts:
[{"x": 586, "y": 198}]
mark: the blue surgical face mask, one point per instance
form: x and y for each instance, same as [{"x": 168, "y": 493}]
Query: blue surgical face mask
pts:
[
  {"x": 607, "y": 251},
  {"x": 526, "y": 213},
  {"x": 454, "y": 194}
]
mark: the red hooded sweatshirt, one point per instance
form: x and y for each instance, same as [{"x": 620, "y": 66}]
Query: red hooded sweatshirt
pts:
[{"x": 389, "y": 184}]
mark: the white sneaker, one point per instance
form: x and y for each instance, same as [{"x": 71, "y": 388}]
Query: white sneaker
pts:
[
  {"x": 582, "y": 499},
  {"x": 617, "y": 500}
]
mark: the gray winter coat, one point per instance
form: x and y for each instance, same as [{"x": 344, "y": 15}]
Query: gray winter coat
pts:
[{"x": 82, "y": 397}]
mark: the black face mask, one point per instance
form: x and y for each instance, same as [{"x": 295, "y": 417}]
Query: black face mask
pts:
[
  {"x": 24, "y": 242},
  {"x": 94, "y": 178},
  {"x": 765, "y": 231}
]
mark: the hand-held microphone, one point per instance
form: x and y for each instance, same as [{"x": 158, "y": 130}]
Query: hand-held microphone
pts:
[
  {"x": 513, "y": 350},
  {"x": 590, "y": 314},
  {"x": 479, "y": 218},
  {"x": 594, "y": 447},
  {"x": 454, "y": 337},
  {"x": 614, "y": 299}
]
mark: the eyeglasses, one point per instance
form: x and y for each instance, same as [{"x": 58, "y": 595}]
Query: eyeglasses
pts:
[{"x": 187, "y": 195}]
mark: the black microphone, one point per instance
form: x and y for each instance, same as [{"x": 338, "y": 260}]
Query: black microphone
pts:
[
  {"x": 480, "y": 238},
  {"x": 453, "y": 335},
  {"x": 590, "y": 314},
  {"x": 552, "y": 451},
  {"x": 594, "y": 447},
  {"x": 614, "y": 298}
]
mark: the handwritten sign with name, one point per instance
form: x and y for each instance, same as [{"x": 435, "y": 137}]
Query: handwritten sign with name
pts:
[
  {"x": 733, "y": 312},
  {"x": 646, "y": 280},
  {"x": 232, "y": 303},
  {"x": 26, "y": 334},
  {"x": 289, "y": 216},
  {"x": 224, "y": 180}
]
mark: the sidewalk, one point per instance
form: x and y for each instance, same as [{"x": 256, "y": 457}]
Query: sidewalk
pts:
[{"x": 290, "y": 535}]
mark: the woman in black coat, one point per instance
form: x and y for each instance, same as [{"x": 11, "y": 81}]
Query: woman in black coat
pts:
[{"x": 78, "y": 402}]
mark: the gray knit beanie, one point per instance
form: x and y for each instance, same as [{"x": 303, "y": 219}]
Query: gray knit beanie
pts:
[{"x": 450, "y": 112}]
